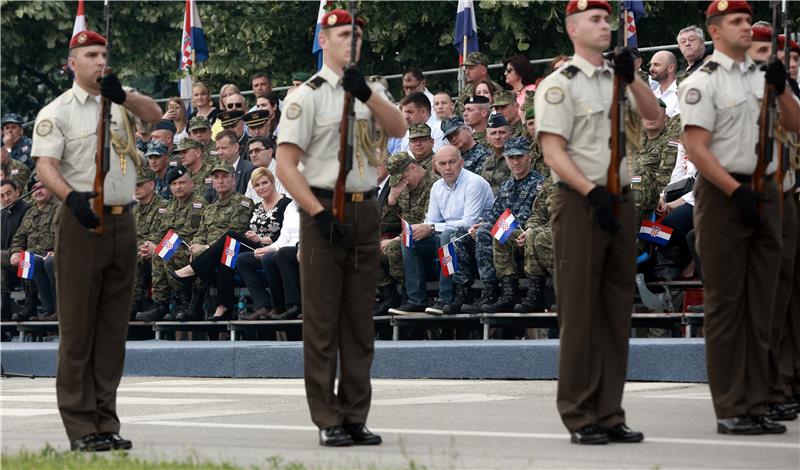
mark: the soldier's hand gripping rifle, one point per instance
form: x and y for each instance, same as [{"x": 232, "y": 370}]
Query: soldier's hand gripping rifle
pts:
[
  {"x": 346, "y": 129},
  {"x": 102, "y": 156},
  {"x": 783, "y": 149},
  {"x": 618, "y": 102}
]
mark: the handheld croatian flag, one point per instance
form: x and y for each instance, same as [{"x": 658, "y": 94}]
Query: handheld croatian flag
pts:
[
  {"x": 465, "y": 37},
  {"x": 169, "y": 245},
  {"x": 655, "y": 232},
  {"x": 505, "y": 224},
  {"x": 25, "y": 268},
  {"x": 230, "y": 252},
  {"x": 408, "y": 241},
  {"x": 193, "y": 49},
  {"x": 448, "y": 259}
]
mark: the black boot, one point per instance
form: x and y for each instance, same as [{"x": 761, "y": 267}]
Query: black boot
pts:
[
  {"x": 463, "y": 296},
  {"x": 509, "y": 296},
  {"x": 488, "y": 296},
  {"x": 195, "y": 310},
  {"x": 534, "y": 301},
  {"x": 389, "y": 298},
  {"x": 6, "y": 309},
  {"x": 29, "y": 309},
  {"x": 156, "y": 312},
  {"x": 182, "y": 304}
]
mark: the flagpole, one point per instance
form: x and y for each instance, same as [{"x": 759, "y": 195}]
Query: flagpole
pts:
[{"x": 461, "y": 71}]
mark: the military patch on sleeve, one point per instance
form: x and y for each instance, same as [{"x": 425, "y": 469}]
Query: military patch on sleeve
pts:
[
  {"x": 554, "y": 95},
  {"x": 208, "y": 180},
  {"x": 693, "y": 96},
  {"x": 44, "y": 128},
  {"x": 673, "y": 143},
  {"x": 245, "y": 202},
  {"x": 197, "y": 205},
  {"x": 293, "y": 111},
  {"x": 162, "y": 210}
]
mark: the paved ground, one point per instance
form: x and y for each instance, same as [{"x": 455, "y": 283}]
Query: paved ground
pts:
[{"x": 432, "y": 423}]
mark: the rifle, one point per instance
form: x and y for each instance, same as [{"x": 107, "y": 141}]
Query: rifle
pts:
[
  {"x": 346, "y": 127},
  {"x": 618, "y": 100},
  {"x": 767, "y": 117},
  {"x": 102, "y": 155},
  {"x": 783, "y": 150}
]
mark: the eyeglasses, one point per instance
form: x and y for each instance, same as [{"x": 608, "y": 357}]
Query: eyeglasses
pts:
[
  {"x": 255, "y": 151},
  {"x": 509, "y": 69},
  {"x": 230, "y": 105}
]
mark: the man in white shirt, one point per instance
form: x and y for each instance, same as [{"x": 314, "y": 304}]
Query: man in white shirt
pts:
[
  {"x": 416, "y": 109},
  {"x": 663, "y": 67}
]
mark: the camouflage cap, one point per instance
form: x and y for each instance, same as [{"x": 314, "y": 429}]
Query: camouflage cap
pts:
[
  {"x": 419, "y": 130},
  {"x": 451, "y": 125},
  {"x": 187, "y": 144},
  {"x": 12, "y": 118},
  {"x": 396, "y": 166},
  {"x": 156, "y": 148},
  {"x": 530, "y": 113},
  {"x": 476, "y": 58},
  {"x": 497, "y": 120},
  {"x": 199, "y": 122},
  {"x": 176, "y": 172},
  {"x": 503, "y": 98},
  {"x": 516, "y": 146},
  {"x": 145, "y": 174},
  {"x": 222, "y": 166}
]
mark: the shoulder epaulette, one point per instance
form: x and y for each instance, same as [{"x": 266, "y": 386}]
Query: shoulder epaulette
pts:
[
  {"x": 709, "y": 67},
  {"x": 570, "y": 71},
  {"x": 315, "y": 82}
]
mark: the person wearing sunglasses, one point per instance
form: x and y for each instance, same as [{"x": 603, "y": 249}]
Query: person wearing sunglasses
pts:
[{"x": 231, "y": 120}]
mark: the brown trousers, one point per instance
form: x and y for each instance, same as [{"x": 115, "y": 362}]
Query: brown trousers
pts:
[
  {"x": 594, "y": 280},
  {"x": 338, "y": 282},
  {"x": 780, "y": 350},
  {"x": 740, "y": 269},
  {"x": 790, "y": 344},
  {"x": 94, "y": 278}
]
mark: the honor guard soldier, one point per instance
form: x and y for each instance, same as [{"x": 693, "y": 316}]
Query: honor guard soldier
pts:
[
  {"x": 737, "y": 229},
  {"x": 593, "y": 232},
  {"x": 338, "y": 259},
  {"x": 94, "y": 268}
]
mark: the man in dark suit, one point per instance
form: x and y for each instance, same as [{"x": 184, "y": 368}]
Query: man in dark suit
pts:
[
  {"x": 12, "y": 211},
  {"x": 228, "y": 151}
]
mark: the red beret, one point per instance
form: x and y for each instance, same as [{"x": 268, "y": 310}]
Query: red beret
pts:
[
  {"x": 340, "y": 17},
  {"x": 578, "y": 6},
  {"x": 793, "y": 45},
  {"x": 87, "y": 38},
  {"x": 723, "y": 7},
  {"x": 762, "y": 34}
]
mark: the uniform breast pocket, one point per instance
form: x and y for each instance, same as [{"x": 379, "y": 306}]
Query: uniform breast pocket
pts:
[
  {"x": 194, "y": 220},
  {"x": 79, "y": 140},
  {"x": 326, "y": 120},
  {"x": 588, "y": 116},
  {"x": 731, "y": 108}
]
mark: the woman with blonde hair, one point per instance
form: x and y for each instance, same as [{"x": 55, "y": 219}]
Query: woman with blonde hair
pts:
[
  {"x": 201, "y": 102},
  {"x": 176, "y": 113}
]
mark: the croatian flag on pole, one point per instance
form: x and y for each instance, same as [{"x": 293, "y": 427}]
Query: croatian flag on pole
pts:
[
  {"x": 25, "y": 268},
  {"x": 634, "y": 11},
  {"x": 655, "y": 232},
  {"x": 169, "y": 245},
  {"x": 315, "y": 49},
  {"x": 408, "y": 241},
  {"x": 505, "y": 224},
  {"x": 466, "y": 28},
  {"x": 230, "y": 252},
  {"x": 448, "y": 259},
  {"x": 193, "y": 49}
]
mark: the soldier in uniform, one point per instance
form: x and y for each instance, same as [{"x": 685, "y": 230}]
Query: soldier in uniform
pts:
[
  {"x": 338, "y": 262},
  {"x": 737, "y": 230},
  {"x": 537, "y": 157},
  {"x": 495, "y": 170},
  {"x": 232, "y": 120},
  {"x": 157, "y": 157},
  {"x": 593, "y": 231},
  {"x": 15, "y": 170},
  {"x": 182, "y": 215},
  {"x": 460, "y": 136},
  {"x": 496, "y": 264},
  {"x": 537, "y": 240},
  {"x": 94, "y": 270},
  {"x": 147, "y": 212},
  {"x": 257, "y": 122},
  {"x": 420, "y": 144},
  {"x": 17, "y": 144},
  {"x": 200, "y": 130},
  {"x": 200, "y": 169},
  {"x": 476, "y": 69},
  {"x": 476, "y": 117},
  {"x": 505, "y": 103},
  {"x": 13, "y": 211}
]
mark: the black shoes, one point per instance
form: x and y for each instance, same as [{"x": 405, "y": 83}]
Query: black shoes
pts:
[
  {"x": 116, "y": 441},
  {"x": 291, "y": 313},
  {"x": 780, "y": 412},
  {"x": 362, "y": 436},
  {"x": 90, "y": 443},
  {"x": 408, "y": 309},
  {"x": 769, "y": 426},
  {"x": 622, "y": 433},
  {"x": 436, "y": 309},
  {"x": 334, "y": 436},
  {"x": 743, "y": 424},
  {"x": 589, "y": 435}
]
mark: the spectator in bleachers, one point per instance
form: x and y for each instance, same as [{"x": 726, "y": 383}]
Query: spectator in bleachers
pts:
[
  {"x": 537, "y": 243},
  {"x": 176, "y": 113},
  {"x": 476, "y": 116},
  {"x": 271, "y": 103},
  {"x": 164, "y": 132},
  {"x": 232, "y": 121},
  {"x": 228, "y": 151},
  {"x": 476, "y": 69},
  {"x": 144, "y": 133},
  {"x": 14, "y": 169},
  {"x": 15, "y": 142},
  {"x": 298, "y": 78},
  {"x": 192, "y": 158},
  {"x": 200, "y": 130},
  {"x": 36, "y": 235},
  {"x": 416, "y": 110},
  {"x": 471, "y": 153},
  {"x": 158, "y": 160},
  {"x": 227, "y": 90},
  {"x": 691, "y": 42},
  {"x": 257, "y": 122},
  {"x": 414, "y": 81},
  {"x": 148, "y": 211},
  {"x": 520, "y": 76},
  {"x": 261, "y": 84},
  {"x": 13, "y": 210},
  {"x": 663, "y": 67},
  {"x": 537, "y": 157},
  {"x": 505, "y": 103},
  {"x": 201, "y": 102},
  {"x": 443, "y": 105},
  {"x": 494, "y": 169},
  {"x": 676, "y": 205},
  {"x": 262, "y": 154},
  {"x": 486, "y": 89},
  {"x": 420, "y": 144}
]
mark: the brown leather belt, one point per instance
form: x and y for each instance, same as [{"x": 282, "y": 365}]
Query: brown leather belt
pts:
[
  {"x": 348, "y": 197},
  {"x": 117, "y": 210},
  {"x": 565, "y": 186}
]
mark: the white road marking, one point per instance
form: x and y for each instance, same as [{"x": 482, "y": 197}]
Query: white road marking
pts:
[
  {"x": 218, "y": 390},
  {"x": 681, "y": 396},
  {"x": 25, "y": 412},
  {"x": 121, "y": 400},
  {"x": 186, "y": 415},
  {"x": 299, "y": 382},
  {"x": 428, "y": 400}
]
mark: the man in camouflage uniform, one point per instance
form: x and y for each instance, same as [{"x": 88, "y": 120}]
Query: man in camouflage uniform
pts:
[
  {"x": 15, "y": 170},
  {"x": 157, "y": 157},
  {"x": 36, "y": 234},
  {"x": 182, "y": 214},
  {"x": 538, "y": 246},
  {"x": 495, "y": 170},
  {"x": 517, "y": 193},
  {"x": 460, "y": 136},
  {"x": 147, "y": 211},
  {"x": 15, "y": 142},
  {"x": 420, "y": 144},
  {"x": 200, "y": 130},
  {"x": 476, "y": 117},
  {"x": 192, "y": 158},
  {"x": 505, "y": 103},
  {"x": 537, "y": 156},
  {"x": 476, "y": 69},
  {"x": 653, "y": 165}
]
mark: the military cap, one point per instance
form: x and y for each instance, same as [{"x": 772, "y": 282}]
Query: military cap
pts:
[
  {"x": 579, "y": 6},
  {"x": 222, "y": 166},
  {"x": 145, "y": 174},
  {"x": 199, "y": 122},
  {"x": 530, "y": 113},
  {"x": 339, "y": 17},
  {"x": 516, "y": 146},
  {"x": 87, "y": 38},
  {"x": 187, "y": 144},
  {"x": 256, "y": 118},
  {"x": 762, "y": 34},
  {"x": 301, "y": 76},
  {"x": 230, "y": 117},
  {"x": 724, "y": 7},
  {"x": 497, "y": 120},
  {"x": 396, "y": 166},
  {"x": 419, "y": 130},
  {"x": 166, "y": 124},
  {"x": 476, "y": 99},
  {"x": 476, "y": 58},
  {"x": 156, "y": 149},
  {"x": 12, "y": 118},
  {"x": 503, "y": 98},
  {"x": 176, "y": 172},
  {"x": 781, "y": 43},
  {"x": 451, "y": 125}
]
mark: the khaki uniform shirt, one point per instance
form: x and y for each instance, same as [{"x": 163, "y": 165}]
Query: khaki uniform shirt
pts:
[
  {"x": 723, "y": 97},
  {"x": 574, "y": 102},
  {"x": 310, "y": 120},
  {"x": 66, "y": 130}
]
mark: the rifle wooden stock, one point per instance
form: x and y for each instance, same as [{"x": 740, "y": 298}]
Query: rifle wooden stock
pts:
[
  {"x": 617, "y": 140},
  {"x": 345, "y": 150},
  {"x": 766, "y": 119}
]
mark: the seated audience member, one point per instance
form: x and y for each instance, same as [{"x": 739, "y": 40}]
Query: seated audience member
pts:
[
  {"x": 486, "y": 89},
  {"x": 472, "y": 154},
  {"x": 494, "y": 169},
  {"x": 443, "y": 106},
  {"x": 14, "y": 170},
  {"x": 158, "y": 160},
  {"x": 228, "y": 151},
  {"x": 176, "y": 112},
  {"x": 147, "y": 212},
  {"x": 15, "y": 141},
  {"x": 262, "y": 154},
  {"x": 520, "y": 76},
  {"x": 13, "y": 209}
]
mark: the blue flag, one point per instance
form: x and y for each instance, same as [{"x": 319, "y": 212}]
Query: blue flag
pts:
[
  {"x": 634, "y": 11},
  {"x": 466, "y": 27}
]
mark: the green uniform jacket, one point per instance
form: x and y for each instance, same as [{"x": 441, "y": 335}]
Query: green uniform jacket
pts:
[
  {"x": 495, "y": 171},
  {"x": 36, "y": 232},
  {"x": 232, "y": 213},
  {"x": 654, "y": 164},
  {"x": 148, "y": 220},
  {"x": 413, "y": 205},
  {"x": 19, "y": 173},
  {"x": 183, "y": 217}
]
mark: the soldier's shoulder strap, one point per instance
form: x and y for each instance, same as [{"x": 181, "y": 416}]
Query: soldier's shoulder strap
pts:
[
  {"x": 315, "y": 82},
  {"x": 709, "y": 67},
  {"x": 570, "y": 71}
]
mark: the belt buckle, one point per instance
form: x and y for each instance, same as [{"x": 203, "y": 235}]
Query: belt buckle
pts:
[
  {"x": 117, "y": 210},
  {"x": 356, "y": 197}
]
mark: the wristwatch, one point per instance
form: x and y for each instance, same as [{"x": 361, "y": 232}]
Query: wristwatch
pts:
[{"x": 433, "y": 228}]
